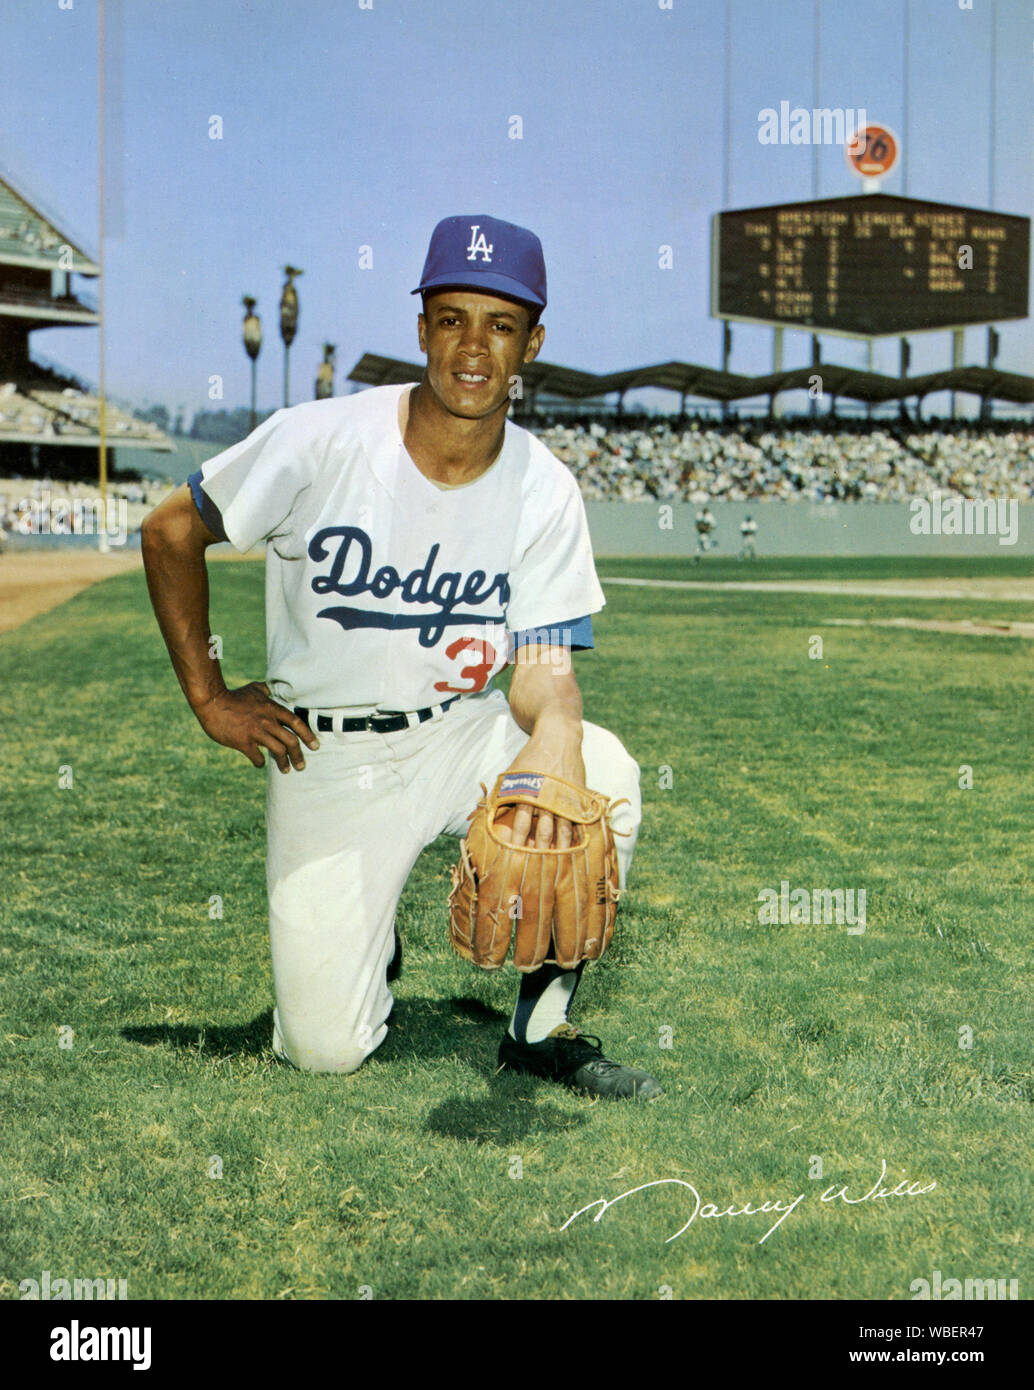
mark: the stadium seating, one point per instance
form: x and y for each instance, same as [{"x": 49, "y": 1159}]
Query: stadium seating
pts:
[
  {"x": 31, "y": 410},
  {"x": 739, "y": 463}
]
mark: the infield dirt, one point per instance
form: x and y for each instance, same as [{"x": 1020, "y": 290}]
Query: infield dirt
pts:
[{"x": 35, "y": 581}]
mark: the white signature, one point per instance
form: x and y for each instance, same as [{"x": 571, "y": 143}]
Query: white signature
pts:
[{"x": 707, "y": 1210}]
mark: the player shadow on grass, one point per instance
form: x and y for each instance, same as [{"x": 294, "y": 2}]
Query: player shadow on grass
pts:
[
  {"x": 420, "y": 1026},
  {"x": 515, "y": 1106},
  {"x": 457, "y": 1027},
  {"x": 432, "y": 1027},
  {"x": 510, "y": 1114},
  {"x": 208, "y": 1039},
  {"x": 461, "y": 1028}
]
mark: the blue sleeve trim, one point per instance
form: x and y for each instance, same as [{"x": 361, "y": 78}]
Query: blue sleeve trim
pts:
[
  {"x": 208, "y": 511},
  {"x": 576, "y": 634}
]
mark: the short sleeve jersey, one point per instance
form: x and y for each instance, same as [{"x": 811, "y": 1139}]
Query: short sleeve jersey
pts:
[{"x": 382, "y": 590}]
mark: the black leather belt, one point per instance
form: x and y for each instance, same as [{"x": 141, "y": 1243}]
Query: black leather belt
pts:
[{"x": 391, "y": 722}]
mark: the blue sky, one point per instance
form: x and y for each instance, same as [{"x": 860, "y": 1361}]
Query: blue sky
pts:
[{"x": 345, "y": 127}]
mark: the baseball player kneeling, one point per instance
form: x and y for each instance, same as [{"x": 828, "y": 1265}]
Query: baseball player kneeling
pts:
[{"x": 417, "y": 543}]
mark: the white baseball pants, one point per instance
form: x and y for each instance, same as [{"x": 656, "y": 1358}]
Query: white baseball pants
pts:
[{"x": 343, "y": 836}]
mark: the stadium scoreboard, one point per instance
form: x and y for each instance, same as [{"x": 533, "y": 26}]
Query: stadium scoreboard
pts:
[{"x": 869, "y": 266}]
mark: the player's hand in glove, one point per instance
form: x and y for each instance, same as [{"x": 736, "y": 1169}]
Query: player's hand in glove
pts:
[
  {"x": 562, "y": 901},
  {"x": 249, "y": 719},
  {"x": 555, "y": 750}
]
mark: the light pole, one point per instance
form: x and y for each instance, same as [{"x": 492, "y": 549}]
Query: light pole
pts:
[
  {"x": 289, "y": 323},
  {"x": 252, "y": 345},
  {"x": 325, "y": 373}
]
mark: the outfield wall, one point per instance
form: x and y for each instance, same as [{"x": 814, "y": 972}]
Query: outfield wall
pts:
[
  {"x": 795, "y": 528},
  {"x": 784, "y": 528}
]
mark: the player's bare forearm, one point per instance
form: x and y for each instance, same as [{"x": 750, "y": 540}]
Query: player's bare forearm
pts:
[
  {"x": 173, "y": 545},
  {"x": 547, "y": 704},
  {"x": 174, "y": 540},
  {"x": 545, "y": 700}
]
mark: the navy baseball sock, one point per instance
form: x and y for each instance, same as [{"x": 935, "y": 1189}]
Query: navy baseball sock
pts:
[{"x": 544, "y": 1002}]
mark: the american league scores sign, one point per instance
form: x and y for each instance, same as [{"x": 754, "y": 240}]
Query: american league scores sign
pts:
[{"x": 869, "y": 265}]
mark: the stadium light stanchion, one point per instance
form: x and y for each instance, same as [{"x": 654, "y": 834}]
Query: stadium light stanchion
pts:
[
  {"x": 868, "y": 368},
  {"x": 992, "y": 124},
  {"x": 904, "y": 363},
  {"x": 993, "y": 343},
  {"x": 816, "y": 149},
  {"x": 726, "y": 357},
  {"x": 102, "y": 423},
  {"x": 906, "y": 96},
  {"x": 289, "y": 323},
  {"x": 957, "y": 336},
  {"x": 775, "y": 407},
  {"x": 252, "y": 345}
]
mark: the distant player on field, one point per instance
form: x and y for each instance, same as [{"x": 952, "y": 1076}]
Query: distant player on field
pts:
[
  {"x": 705, "y": 524},
  {"x": 748, "y": 530}
]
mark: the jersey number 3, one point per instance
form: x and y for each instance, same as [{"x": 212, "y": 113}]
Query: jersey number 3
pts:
[{"x": 478, "y": 674}]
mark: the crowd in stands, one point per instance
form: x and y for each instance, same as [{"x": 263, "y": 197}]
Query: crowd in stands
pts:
[
  {"x": 34, "y": 234},
  {"x": 48, "y": 411},
  {"x": 702, "y": 461},
  {"x": 22, "y": 501}
]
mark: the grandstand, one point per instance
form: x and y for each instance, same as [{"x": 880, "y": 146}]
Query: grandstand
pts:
[
  {"x": 48, "y": 418},
  {"x": 699, "y": 462}
]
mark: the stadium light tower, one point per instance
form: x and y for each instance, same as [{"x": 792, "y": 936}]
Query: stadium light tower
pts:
[
  {"x": 289, "y": 323},
  {"x": 252, "y": 344}
]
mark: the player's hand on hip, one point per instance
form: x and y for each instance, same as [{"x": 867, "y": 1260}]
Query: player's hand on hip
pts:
[{"x": 248, "y": 719}]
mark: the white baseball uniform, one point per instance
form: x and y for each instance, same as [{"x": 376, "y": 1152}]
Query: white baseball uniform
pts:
[{"x": 387, "y": 592}]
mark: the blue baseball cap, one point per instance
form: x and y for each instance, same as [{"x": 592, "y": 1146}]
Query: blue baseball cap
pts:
[{"x": 483, "y": 254}]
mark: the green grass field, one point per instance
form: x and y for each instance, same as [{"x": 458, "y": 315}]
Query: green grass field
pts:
[{"x": 794, "y": 1049}]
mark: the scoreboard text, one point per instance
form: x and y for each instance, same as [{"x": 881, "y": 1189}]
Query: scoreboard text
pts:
[{"x": 870, "y": 265}]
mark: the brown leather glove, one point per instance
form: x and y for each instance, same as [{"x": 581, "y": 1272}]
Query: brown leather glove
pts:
[{"x": 563, "y": 901}]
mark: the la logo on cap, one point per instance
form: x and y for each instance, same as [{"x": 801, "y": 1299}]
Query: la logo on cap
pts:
[
  {"x": 475, "y": 251},
  {"x": 478, "y": 245}
]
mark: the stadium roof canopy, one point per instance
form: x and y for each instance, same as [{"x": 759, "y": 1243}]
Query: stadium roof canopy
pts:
[
  {"x": 684, "y": 377},
  {"x": 981, "y": 381},
  {"x": 708, "y": 384}
]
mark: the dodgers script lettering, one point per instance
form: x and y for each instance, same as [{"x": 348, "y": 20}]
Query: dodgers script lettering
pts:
[{"x": 448, "y": 590}]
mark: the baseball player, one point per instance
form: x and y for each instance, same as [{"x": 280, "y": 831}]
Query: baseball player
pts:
[
  {"x": 748, "y": 530},
  {"x": 417, "y": 542},
  {"x": 705, "y": 524}
]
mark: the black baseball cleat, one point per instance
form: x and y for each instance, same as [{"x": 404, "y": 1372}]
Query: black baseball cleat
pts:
[
  {"x": 576, "y": 1059},
  {"x": 395, "y": 964}
]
